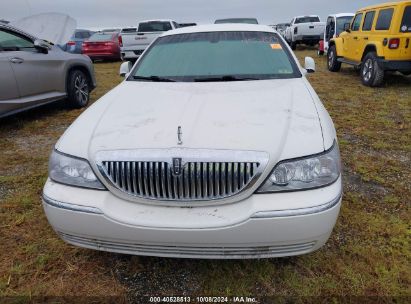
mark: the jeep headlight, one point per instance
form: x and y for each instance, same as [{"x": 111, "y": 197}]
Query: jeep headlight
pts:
[
  {"x": 304, "y": 173},
  {"x": 72, "y": 171}
]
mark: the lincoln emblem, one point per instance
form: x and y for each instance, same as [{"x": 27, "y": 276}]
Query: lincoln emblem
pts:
[
  {"x": 177, "y": 166},
  {"x": 179, "y": 136}
]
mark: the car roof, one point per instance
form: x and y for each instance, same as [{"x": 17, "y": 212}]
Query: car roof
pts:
[
  {"x": 385, "y": 5},
  {"x": 156, "y": 20},
  {"x": 339, "y": 15},
  {"x": 228, "y": 27},
  {"x": 307, "y": 16}
]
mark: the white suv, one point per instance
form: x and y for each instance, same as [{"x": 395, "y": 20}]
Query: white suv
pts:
[{"x": 215, "y": 146}]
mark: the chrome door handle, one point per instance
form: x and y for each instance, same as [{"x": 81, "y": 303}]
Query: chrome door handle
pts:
[{"x": 16, "y": 60}]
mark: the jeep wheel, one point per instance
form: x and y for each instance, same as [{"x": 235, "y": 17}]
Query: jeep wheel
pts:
[
  {"x": 78, "y": 90},
  {"x": 293, "y": 46},
  {"x": 372, "y": 74},
  {"x": 333, "y": 64}
]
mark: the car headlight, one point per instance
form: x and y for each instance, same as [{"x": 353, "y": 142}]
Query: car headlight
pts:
[
  {"x": 304, "y": 173},
  {"x": 72, "y": 171}
]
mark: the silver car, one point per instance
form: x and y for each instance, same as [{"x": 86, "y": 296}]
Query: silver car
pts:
[{"x": 34, "y": 72}]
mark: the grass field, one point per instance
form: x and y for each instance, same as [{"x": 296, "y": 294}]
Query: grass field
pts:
[{"x": 368, "y": 254}]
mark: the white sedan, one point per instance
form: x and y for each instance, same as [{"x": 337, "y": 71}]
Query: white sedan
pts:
[{"x": 214, "y": 146}]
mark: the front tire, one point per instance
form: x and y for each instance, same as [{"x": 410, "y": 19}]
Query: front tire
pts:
[
  {"x": 293, "y": 46},
  {"x": 332, "y": 63},
  {"x": 372, "y": 75},
  {"x": 78, "y": 89}
]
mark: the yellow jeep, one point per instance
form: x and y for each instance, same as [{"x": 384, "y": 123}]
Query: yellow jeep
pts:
[{"x": 377, "y": 40}]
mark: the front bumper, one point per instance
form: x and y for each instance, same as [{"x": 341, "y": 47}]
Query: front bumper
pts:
[
  {"x": 396, "y": 65},
  {"x": 262, "y": 226}
]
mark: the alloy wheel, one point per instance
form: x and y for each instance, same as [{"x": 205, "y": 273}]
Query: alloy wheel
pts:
[
  {"x": 81, "y": 89},
  {"x": 368, "y": 70}
]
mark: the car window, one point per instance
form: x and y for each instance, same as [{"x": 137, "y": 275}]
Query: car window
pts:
[
  {"x": 154, "y": 26},
  {"x": 101, "y": 36},
  {"x": 195, "y": 56},
  {"x": 341, "y": 22},
  {"x": 307, "y": 20},
  {"x": 330, "y": 29},
  {"x": 78, "y": 35},
  {"x": 13, "y": 42},
  {"x": 406, "y": 20},
  {"x": 368, "y": 21},
  {"x": 384, "y": 19},
  {"x": 357, "y": 22}
]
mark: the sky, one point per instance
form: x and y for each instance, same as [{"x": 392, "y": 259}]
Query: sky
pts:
[{"x": 119, "y": 13}]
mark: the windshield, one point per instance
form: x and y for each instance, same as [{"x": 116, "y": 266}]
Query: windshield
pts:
[
  {"x": 101, "y": 37},
  {"x": 154, "y": 26},
  {"x": 341, "y": 21},
  {"x": 307, "y": 20},
  {"x": 238, "y": 20},
  {"x": 216, "y": 56}
]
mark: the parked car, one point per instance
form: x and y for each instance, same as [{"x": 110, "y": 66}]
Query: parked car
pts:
[
  {"x": 377, "y": 41},
  {"x": 134, "y": 40},
  {"x": 305, "y": 30},
  {"x": 75, "y": 45},
  {"x": 102, "y": 45},
  {"x": 201, "y": 154},
  {"x": 237, "y": 20},
  {"x": 34, "y": 72},
  {"x": 281, "y": 28},
  {"x": 334, "y": 27}
]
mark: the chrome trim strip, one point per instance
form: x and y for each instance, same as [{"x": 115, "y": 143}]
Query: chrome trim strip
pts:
[
  {"x": 70, "y": 207},
  {"x": 297, "y": 212}
]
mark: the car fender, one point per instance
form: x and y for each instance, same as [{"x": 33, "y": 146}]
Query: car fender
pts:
[
  {"x": 338, "y": 45},
  {"x": 83, "y": 64},
  {"x": 376, "y": 46}
]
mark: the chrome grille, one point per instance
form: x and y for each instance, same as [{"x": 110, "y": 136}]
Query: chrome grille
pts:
[{"x": 198, "y": 180}]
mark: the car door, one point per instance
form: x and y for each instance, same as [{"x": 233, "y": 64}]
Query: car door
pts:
[
  {"x": 352, "y": 41},
  {"x": 38, "y": 75},
  {"x": 366, "y": 31},
  {"x": 9, "y": 92}
]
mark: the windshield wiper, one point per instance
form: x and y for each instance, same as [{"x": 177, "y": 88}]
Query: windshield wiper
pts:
[
  {"x": 224, "y": 78},
  {"x": 154, "y": 78}
]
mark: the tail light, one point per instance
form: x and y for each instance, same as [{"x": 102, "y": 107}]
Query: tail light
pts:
[
  {"x": 120, "y": 40},
  {"x": 296, "y": 30},
  {"x": 71, "y": 43},
  {"x": 394, "y": 43}
]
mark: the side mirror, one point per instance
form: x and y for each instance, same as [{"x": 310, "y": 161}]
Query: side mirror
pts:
[
  {"x": 125, "y": 68},
  {"x": 309, "y": 65},
  {"x": 42, "y": 46},
  {"x": 347, "y": 27}
]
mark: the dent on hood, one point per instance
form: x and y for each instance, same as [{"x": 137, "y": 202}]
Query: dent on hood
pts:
[{"x": 52, "y": 27}]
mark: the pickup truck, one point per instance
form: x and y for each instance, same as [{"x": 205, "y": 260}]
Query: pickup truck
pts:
[
  {"x": 134, "y": 40},
  {"x": 305, "y": 30}
]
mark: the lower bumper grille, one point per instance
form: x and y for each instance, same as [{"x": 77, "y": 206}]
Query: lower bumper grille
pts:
[{"x": 193, "y": 252}]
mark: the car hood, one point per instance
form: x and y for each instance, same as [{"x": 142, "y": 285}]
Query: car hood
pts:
[
  {"x": 52, "y": 27},
  {"x": 274, "y": 116}
]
